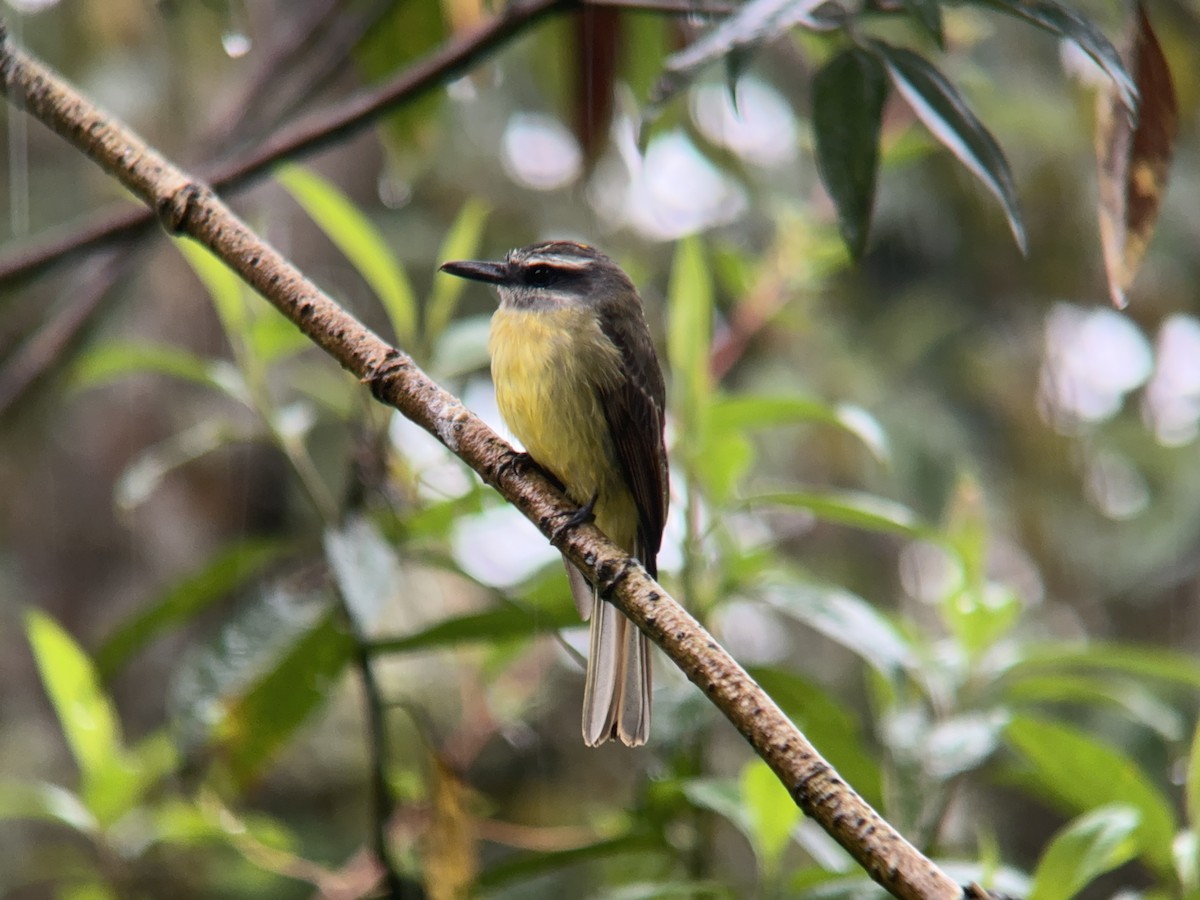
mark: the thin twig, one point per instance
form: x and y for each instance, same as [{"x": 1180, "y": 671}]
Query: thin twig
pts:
[
  {"x": 305, "y": 136},
  {"x": 49, "y": 344},
  {"x": 187, "y": 206},
  {"x": 261, "y": 85},
  {"x": 332, "y": 125},
  {"x": 36, "y": 355},
  {"x": 382, "y": 800}
]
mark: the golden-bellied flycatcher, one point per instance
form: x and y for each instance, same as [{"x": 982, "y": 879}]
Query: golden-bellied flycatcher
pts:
[{"x": 579, "y": 384}]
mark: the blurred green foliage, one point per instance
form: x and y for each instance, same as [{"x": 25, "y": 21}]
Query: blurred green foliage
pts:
[{"x": 867, "y": 508}]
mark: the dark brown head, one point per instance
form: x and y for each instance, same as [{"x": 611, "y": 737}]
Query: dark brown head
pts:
[{"x": 550, "y": 275}]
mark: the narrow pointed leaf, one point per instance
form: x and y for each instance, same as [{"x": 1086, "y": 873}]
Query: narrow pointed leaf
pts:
[
  {"x": 928, "y": 14},
  {"x": 1079, "y": 772},
  {"x": 1192, "y": 787},
  {"x": 491, "y": 626},
  {"x": 860, "y": 510},
  {"x": 359, "y": 241},
  {"x": 112, "y": 361},
  {"x": 723, "y": 797},
  {"x": 1112, "y": 659},
  {"x": 187, "y": 598},
  {"x": 942, "y": 109},
  {"x": 828, "y": 723},
  {"x": 223, "y": 286},
  {"x": 848, "y": 619},
  {"x": 847, "y": 103},
  {"x": 689, "y": 331},
  {"x": 462, "y": 242},
  {"x": 271, "y": 666},
  {"x": 1134, "y": 158},
  {"x": 770, "y": 812},
  {"x": 1085, "y": 849},
  {"x": 747, "y": 411},
  {"x": 1068, "y": 23},
  {"x": 84, "y": 711},
  {"x": 45, "y": 802},
  {"x": 739, "y": 34}
]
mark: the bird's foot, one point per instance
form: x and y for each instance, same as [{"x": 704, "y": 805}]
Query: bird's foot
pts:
[{"x": 585, "y": 513}]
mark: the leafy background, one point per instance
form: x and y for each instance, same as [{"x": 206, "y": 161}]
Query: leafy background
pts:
[{"x": 940, "y": 499}]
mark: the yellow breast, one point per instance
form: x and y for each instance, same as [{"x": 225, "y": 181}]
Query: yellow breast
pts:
[{"x": 547, "y": 366}]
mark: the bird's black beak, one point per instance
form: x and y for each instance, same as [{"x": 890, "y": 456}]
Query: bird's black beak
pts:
[{"x": 477, "y": 270}]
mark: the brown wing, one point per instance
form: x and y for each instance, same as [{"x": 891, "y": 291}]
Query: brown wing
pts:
[{"x": 634, "y": 411}]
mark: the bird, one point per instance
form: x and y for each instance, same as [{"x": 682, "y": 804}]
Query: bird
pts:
[{"x": 579, "y": 384}]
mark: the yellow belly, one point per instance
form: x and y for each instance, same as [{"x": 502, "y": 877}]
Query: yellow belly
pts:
[{"x": 546, "y": 365}]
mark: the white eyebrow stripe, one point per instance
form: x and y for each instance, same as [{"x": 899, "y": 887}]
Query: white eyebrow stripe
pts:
[{"x": 558, "y": 261}]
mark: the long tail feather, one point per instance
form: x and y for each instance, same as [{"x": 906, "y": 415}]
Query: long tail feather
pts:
[{"x": 616, "y": 695}]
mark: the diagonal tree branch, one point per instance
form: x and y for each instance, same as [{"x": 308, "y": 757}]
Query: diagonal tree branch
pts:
[{"x": 186, "y": 206}]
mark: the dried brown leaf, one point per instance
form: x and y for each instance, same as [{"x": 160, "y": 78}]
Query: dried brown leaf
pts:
[
  {"x": 597, "y": 33},
  {"x": 1134, "y": 157},
  {"x": 450, "y": 846}
]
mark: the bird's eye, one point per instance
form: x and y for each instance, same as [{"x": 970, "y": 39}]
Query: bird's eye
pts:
[{"x": 539, "y": 276}]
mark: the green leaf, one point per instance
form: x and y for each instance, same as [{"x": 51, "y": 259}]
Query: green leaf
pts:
[
  {"x": 224, "y": 287},
  {"x": 461, "y": 242},
  {"x": 928, "y": 14},
  {"x": 979, "y": 617},
  {"x": 689, "y": 332},
  {"x": 258, "y": 722},
  {"x": 942, "y": 109},
  {"x": 745, "y": 411},
  {"x": 45, "y": 802},
  {"x": 738, "y": 35},
  {"x": 646, "y": 39},
  {"x": 1079, "y": 773},
  {"x": 270, "y": 667},
  {"x": 1192, "y": 787},
  {"x": 188, "y": 597},
  {"x": 112, "y": 361},
  {"x": 1068, "y": 23},
  {"x": 1133, "y": 699},
  {"x": 722, "y": 796},
  {"x": 271, "y": 336},
  {"x": 404, "y": 33},
  {"x": 365, "y": 568},
  {"x": 494, "y": 625},
  {"x": 84, "y": 711},
  {"x": 462, "y": 348},
  {"x": 860, "y": 510},
  {"x": 359, "y": 241},
  {"x": 174, "y": 821},
  {"x": 826, "y": 722},
  {"x": 522, "y": 868},
  {"x": 1186, "y": 850},
  {"x": 771, "y": 814},
  {"x": 1116, "y": 659},
  {"x": 960, "y": 743},
  {"x": 1088, "y": 847},
  {"x": 664, "y": 890},
  {"x": 847, "y": 619},
  {"x": 847, "y": 108},
  {"x": 147, "y": 471},
  {"x": 724, "y": 459},
  {"x": 86, "y": 890}
]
